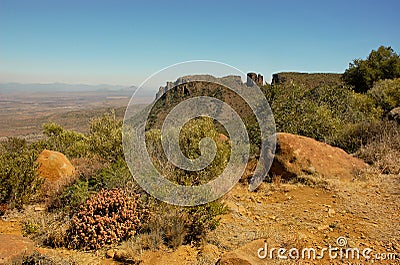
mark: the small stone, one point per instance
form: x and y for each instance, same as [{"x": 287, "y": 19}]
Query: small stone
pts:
[
  {"x": 322, "y": 227},
  {"x": 110, "y": 253},
  {"x": 39, "y": 209},
  {"x": 120, "y": 254},
  {"x": 331, "y": 212}
]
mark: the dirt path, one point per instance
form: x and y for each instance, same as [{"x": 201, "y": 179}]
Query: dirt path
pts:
[{"x": 365, "y": 212}]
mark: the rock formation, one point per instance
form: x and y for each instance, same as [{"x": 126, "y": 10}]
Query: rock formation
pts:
[
  {"x": 230, "y": 80},
  {"x": 298, "y": 155},
  {"x": 253, "y": 78}
]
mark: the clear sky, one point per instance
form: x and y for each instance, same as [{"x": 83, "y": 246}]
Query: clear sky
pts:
[{"x": 123, "y": 42}]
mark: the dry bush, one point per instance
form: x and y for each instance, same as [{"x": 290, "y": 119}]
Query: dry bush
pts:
[
  {"x": 37, "y": 258},
  {"x": 88, "y": 167},
  {"x": 383, "y": 148},
  {"x": 106, "y": 218},
  {"x": 49, "y": 229}
]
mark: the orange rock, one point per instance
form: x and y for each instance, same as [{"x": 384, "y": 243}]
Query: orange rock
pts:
[
  {"x": 222, "y": 138},
  {"x": 298, "y": 155},
  {"x": 54, "y": 166}
]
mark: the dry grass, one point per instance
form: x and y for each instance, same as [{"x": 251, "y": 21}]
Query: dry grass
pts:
[
  {"x": 37, "y": 258},
  {"x": 88, "y": 167},
  {"x": 47, "y": 229},
  {"x": 383, "y": 148}
]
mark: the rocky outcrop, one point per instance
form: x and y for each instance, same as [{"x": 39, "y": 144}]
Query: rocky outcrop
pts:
[
  {"x": 298, "y": 155},
  {"x": 185, "y": 79},
  {"x": 253, "y": 78},
  {"x": 394, "y": 114},
  {"x": 230, "y": 81},
  {"x": 54, "y": 166},
  {"x": 13, "y": 248}
]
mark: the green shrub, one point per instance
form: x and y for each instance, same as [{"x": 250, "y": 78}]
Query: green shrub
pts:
[
  {"x": 105, "y": 137},
  {"x": 19, "y": 180},
  {"x": 202, "y": 219},
  {"x": 386, "y": 94},
  {"x": 73, "y": 196},
  {"x": 332, "y": 114},
  {"x": 189, "y": 138},
  {"x": 106, "y": 218},
  {"x": 116, "y": 175},
  {"x": 384, "y": 63},
  {"x": 70, "y": 143},
  {"x": 29, "y": 228}
]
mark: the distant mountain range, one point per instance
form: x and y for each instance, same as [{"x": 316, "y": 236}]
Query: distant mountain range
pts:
[{"x": 60, "y": 87}]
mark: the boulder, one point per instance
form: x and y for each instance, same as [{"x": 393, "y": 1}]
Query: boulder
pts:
[
  {"x": 394, "y": 114},
  {"x": 54, "y": 166},
  {"x": 13, "y": 248},
  {"x": 298, "y": 155}
]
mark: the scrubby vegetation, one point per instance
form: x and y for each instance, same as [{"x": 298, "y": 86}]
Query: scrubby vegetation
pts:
[
  {"x": 386, "y": 94},
  {"x": 18, "y": 176},
  {"x": 107, "y": 217},
  {"x": 104, "y": 206},
  {"x": 335, "y": 115},
  {"x": 338, "y": 114},
  {"x": 312, "y": 80},
  {"x": 190, "y": 137}
]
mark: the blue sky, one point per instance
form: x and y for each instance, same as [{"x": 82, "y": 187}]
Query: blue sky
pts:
[{"x": 123, "y": 42}]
